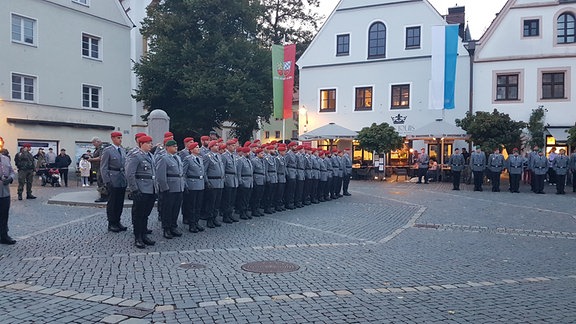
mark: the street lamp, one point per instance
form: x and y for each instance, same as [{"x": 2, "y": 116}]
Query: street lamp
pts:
[{"x": 304, "y": 111}]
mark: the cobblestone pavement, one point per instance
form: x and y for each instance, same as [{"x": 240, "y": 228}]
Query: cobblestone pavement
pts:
[{"x": 393, "y": 252}]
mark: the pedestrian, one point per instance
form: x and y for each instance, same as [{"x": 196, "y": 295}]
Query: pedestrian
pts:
[
  {"x": 112, "y": 165},
  {"x": 95, "y": 162},
  {"x": 140, "y": 174},
  {"x": 50, "y": 158},
  {"x": 194, "y": 190},
  {"x": 495, "y": 167},
  {"x": 423, "y": 162},
  {"x": 25, "y": 163},
  {"x": 560, "y": 166},
  {"x": 515, "y": 165},
  {"x": 456, "y": 163},
  {"x": 7, "y": 176},
  {"x": 170, "y": 182},
  {"x": 85, "y": 166},
  {"x": 63, "y": 160},
  {"x": 478, "y": 165},
  {"x": 539, "y": 165}
]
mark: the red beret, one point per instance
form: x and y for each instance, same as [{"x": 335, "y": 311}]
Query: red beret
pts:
[
  {"x": 515, "y": 149},
  {"x": 144, "y": 139},
  {"x": 235, "y": 140},
  {"x": 282, "y": 148},
  {"x": 222, "y": 146},
  {"x": 192, "y": 145},
  {"x": 258, "y": 151},
  {"x": 138, "y": 135},
  {"x": 230, "y": 142},
  {"x": 168, "y": 134},
  {"x": 166, "y": 139},
  {"x": 115, "y": 134},
  {"x": 257, "y": 141},
  {"x": 219, "y": 140},
  {"x": 205, "y": 138},
  {"x": 321, "y": 153},
  {"x": 247, "y": 143},
  {"x": 335, "y": 149},
  {"x": 273, "y": 142},
  {"x": 292, "y": 144},
  {"x": 246, "y": 149},
  {"x": 239, "y": 149},
  {"x": 26, "y": 145},
  {"x": 347, "y": 149},
  {"x": 212, "y": 143},
  {"x": 188, "y": 139},
  {"x": 299, "y": 147}
]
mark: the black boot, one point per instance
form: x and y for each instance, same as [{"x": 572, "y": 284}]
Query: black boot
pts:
[
  {"x": 138, "y": 241},
  {"x": 216, "y": 222},
  {"x": 210, "y": 223},
  {"x": 147, "y": 240},
  {"x": 19, "y": 196},
  {"x": 192, "y": 228},
  {"x": 168, "y": 234},
  {"x": 7, "y": 240}
]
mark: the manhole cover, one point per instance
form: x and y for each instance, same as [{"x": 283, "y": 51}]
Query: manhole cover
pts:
[
  {"x": 135, "y": 312},
  {"x": 270, "y": 267},
  {"x": 188, "y": 266},
  {"x": 427, "y": 226}
]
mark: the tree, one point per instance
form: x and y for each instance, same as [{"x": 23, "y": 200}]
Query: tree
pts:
[
  {"x": 490, "y": 130},
  {"x": 572, "y": 136},
  {"x": 381, "y": 138},
  {"x": 205, "y": 65},
  {"x": 535, "y": 127}
]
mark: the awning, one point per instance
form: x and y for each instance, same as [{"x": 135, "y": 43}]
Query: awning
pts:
[
  {"x": 438, "y": 129},
  {"x": 560, "y": 134},
  {"x": 329, "y": 131}
]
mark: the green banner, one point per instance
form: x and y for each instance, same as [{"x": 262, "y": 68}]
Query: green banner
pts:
[{"x": 278, "y": 79}]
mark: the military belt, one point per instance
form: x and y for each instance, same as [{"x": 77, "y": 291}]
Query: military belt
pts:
[
  {"x": 234, "y": 173},
  {"x": 300, "y": 168},
  {"x": 144, "y": 176},
  {"x": 194, "y": 177},
  {"x": 246, "y": 175},
  {"x": 115, "y": 169},
  {"x": 457, "y": 164},
  {"x": 173, "y": 175},
  {"x": 477, "y": 164},
  {"x": 280, "y": 173},
  {"x": 213, "y": 178},
  {"x": 271, "y": 171},
  {"x": 315, "y": 169},
  {"x": 260, "y": 173}
]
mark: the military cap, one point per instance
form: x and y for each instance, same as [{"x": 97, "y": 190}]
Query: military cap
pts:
[
  {"x": 115, "y": 134},
  {"x": 259, "y": 150},
  {"x": 247, "y": 143},
  {"x": 230, "y": 142},
  {"x": 205, "y": 138},
  {"x": 246, "y": 150},
  {"x": 192, "y": 145},
  {"x": 188, "y": 139},
  {"x": 171, "y": 143},
  {"x": 144, "y": 139},
  {"x": 212, "y": 143},
  {"x": 168, "y": 134},
  {"x": 138, "y": 135},
  {"x": 222, "y": 146}
]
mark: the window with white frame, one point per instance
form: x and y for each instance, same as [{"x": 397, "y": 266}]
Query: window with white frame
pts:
[
  {"x": 90, "y": 46},
  {"x": 400, "y": 96},
  {"x": 566, "y": 28},
  {"x": 91, "y": 96},
  {"x": 412, "y": 37},
  {"x": 23, "y": 87},
  {"x": 23, "y": 30}
]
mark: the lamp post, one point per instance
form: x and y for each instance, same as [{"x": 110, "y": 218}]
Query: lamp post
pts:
[{"x": 304, "y": 111}]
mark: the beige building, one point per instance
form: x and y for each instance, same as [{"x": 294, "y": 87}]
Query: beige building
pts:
[{"x": 65, "y": 74}]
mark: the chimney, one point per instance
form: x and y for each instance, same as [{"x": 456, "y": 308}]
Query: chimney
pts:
[{"x": 456, "y": 15}]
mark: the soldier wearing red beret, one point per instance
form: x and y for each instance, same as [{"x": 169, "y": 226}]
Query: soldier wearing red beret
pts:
[{"x": 114, "y": 177}]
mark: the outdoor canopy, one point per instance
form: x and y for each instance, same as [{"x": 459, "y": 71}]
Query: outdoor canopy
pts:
[
  {"x": 327, "y": 132},
  {"x": 438, "y": 129}
]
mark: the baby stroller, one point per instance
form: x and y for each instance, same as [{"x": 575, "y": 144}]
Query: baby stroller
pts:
[{"x": 51, "y": 176}]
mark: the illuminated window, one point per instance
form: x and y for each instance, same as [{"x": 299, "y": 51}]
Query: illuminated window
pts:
[
  {"x": 328, "y": 100},
  {"x": 400, "y": 96},
  {"x": 363, "y": 98}
]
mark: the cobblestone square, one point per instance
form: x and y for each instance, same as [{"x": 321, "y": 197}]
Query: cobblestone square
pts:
[{"x": 393, "y": 252}]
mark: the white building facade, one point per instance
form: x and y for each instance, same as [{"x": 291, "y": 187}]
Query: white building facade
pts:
[
  {"x": 65, "y": 75},
  {"x": 371, "y": 63},
  {"x": 527, "y": 59}
]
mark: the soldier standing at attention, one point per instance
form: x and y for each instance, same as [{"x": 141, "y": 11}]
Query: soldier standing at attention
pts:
[
  {"x": 315, "y": 176},
  {"x": 25, "y": 163},
  {"x": 515, "y": 165},
  {"x": 194, "y": 192},
  {"x": 540, "y": 167},
  {"x": 7, "y": 176},
  {"x": 531, "y": 156},
  {"x": 259, "y": 167},
  {"x": 456, "y": 163},
  {"x": 423, "y": 162},
  {"x": 323, "y": 181},
  {"x": 478, "y": 165},
  {"x": 291, "y": 171},
  {"x": 112, "y": 169},
  {"x": 246, "y": 183},
  {"x": 281, "y": 172},
  {"x": 300, "y": 177},
  {"x": 230, "y": 182},
  {"x": 495, "y": 166},
  {"x": 572, "y": 166},
  {"x": 170, "y": 182},
  {"x": 560, "y": 166},
  {"x": 140, "y": 177},
  {"x": 214, "y": 183},
  {"x": 95, "y": 161},
  {"x": 348, "y": 171}
]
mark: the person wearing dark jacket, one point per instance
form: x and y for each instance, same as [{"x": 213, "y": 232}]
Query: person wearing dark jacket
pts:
[{"x": 63, "y": 160}]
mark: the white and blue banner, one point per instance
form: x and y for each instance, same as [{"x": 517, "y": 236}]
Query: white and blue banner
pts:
[{"x": 444, "y": 54}]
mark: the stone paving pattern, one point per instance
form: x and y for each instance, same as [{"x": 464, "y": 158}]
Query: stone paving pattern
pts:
[{"x": 393, "y": 252}]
